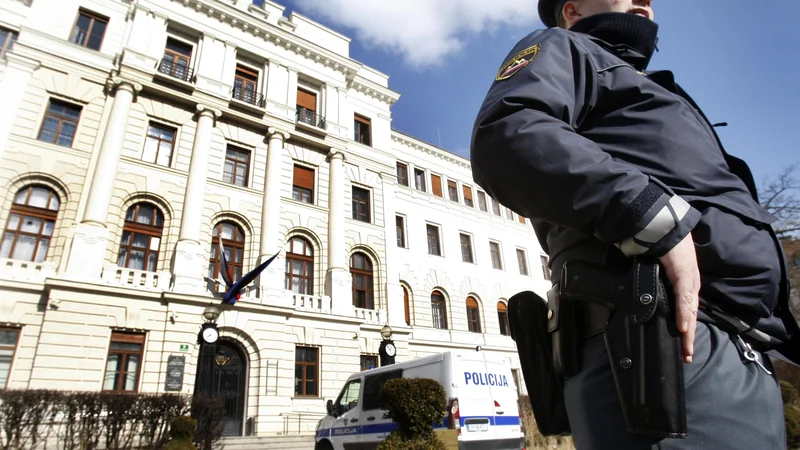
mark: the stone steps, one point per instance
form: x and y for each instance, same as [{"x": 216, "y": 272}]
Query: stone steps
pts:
[{"x": 279, "y": 442}]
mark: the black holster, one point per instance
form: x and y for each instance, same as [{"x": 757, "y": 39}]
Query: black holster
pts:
[{"x": 641, "y": 339}]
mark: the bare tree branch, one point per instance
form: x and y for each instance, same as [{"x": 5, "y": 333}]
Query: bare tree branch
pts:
[{"x": 782, "y": 199}]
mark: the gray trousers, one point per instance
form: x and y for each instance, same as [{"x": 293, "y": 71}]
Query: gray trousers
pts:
[{"x": 730, "y": 404}]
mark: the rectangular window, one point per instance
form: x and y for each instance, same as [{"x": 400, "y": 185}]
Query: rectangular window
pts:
[
  {"x": 237, "y": 166},
  {"x": 306, "y": 107},
  {"x": 452, "y": 190},
  {"x": 496, "y": 208},
  {"x": 89, "y": 30},
  {"x": 494, "y": 248},
  {"x": 369, "y": 362},
  {"x": 509, "y": 213},
  {"x": 362, "y": 130},
  {"x": 177, "y": 56},
  {"x": 466, "y": 248},
  {"x": 245, "y": 85},
  {"x": 8, "y": 346},
  {"x": 433, "y": 240},
  {"x": 468, "y": 196},
  {"x": 125, "y": 355},
  {"x": 303, "y": 184},
  {"x": 482, "y": 201},
  {"x": 436, "y": 185},
  {"x": 60, "y": 123},
  {"x": 545, "y": 267},
  {"x": 402, "y": 174},
  {"x": 522, "y": 261},
  {"x": 306, "y": 370},
  {"x": 521, "y": 219},
  {"x": 400, "y": 225},
  {"x": 7, "y": 39},
  {"x": 419, "y": 180},
  {"x": 361, "y": 204},
  {"x": 158, "y": 144}
]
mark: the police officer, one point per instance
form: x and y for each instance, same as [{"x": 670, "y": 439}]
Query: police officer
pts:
[{"x": 609, "y": 163}]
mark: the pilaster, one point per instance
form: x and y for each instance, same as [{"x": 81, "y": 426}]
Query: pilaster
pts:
[
  {"x": 190, "y": 254},
  {"x": 12, "y": 88},
  {"x": 337, "y": 278},
  {"x": 89, "y": 238},
  {"x": 271, "y": 280}
]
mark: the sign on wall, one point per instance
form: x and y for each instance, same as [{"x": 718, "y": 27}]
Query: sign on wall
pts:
[{"x": 174, "y": 381}]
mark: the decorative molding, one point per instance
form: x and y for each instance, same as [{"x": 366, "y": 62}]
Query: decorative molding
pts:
[
  {"x": 431, "y": 150},
  {"x": 374, "y": 90},
  {"x": 277, "y": 35},
  {"x": 336, "y": 153},
  {"x": 21, "y": 62},
  {"x": 272, "y": 132},
  {"x": 113, "y": 84},
  {"x": 203, "y": 110}
]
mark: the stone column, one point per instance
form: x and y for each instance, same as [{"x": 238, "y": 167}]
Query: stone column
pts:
[
  {"x": 394, "y": 291},
  {"x": 337, "y": 277},
  {"x": 271, "y": 280},
  {"x": 12, "y": 88},
  {"x": 190, "y": 255},
  {"x": 88, "y": 251}
]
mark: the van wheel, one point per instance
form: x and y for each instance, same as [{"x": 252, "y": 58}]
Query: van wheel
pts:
[{"x": 324, "y": 445}]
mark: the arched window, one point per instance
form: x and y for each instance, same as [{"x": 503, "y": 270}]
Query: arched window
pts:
[
  {"x": 361, "y": 271},
  {"x": 232, "y": 236},
  {"x": 438, "y": 310},
  {"x": 406, "y": 306},
  {"x": 473, "y": 315},
  {"x": 502, "y": 318},
  {"x": 141, "y": 237},
  {"x": 30, "y": 224},
  {"x": 300, "y": 266}
]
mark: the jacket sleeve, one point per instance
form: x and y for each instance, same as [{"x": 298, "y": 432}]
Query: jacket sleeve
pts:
[{"x": 527, "y": 153}]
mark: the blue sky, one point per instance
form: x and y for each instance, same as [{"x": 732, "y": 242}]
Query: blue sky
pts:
[{"x": 738, "y": 62}]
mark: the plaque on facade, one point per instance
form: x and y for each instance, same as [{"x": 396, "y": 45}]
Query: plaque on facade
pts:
[{"x": 174, "y": 381}]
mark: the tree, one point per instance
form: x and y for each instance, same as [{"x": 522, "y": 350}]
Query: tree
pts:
[{"x": 781, "y": 197}]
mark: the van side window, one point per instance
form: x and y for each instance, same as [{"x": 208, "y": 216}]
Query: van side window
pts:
[
  {"x": 348, "y": 399},
  {"x": 373, "y": 385}
]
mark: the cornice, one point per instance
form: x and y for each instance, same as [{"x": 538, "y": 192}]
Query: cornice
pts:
[
  {"x": 260, "y": 28},
  {"x": 374, "y": 90},
  {"x": 431, "y": 150}
]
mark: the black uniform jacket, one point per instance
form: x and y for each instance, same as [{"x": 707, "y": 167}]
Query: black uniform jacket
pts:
[{"x": 609, "y": 162}]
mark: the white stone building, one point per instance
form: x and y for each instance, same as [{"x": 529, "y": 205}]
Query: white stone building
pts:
[{"x": 135, "y": 133}]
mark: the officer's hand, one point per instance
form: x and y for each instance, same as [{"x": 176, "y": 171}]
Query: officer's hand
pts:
[{"x": 680, "y": 265}]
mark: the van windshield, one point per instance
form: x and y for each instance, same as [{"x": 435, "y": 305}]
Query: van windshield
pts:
[{"x": 348, "y": 399}]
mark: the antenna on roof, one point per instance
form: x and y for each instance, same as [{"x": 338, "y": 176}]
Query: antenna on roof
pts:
[{"x": 440, "y": 136}]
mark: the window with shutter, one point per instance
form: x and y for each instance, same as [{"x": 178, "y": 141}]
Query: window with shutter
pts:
[
  {"x": 436, "y": 184},
  {"x": 303, "y": 184}
]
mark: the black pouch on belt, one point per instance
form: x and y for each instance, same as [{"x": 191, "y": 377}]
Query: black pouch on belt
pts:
[
  {"x": 643, "y": 344},
  {"x": 527, "y": 317}
]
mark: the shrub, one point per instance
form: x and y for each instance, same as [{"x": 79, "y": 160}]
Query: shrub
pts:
[
  {"x": 535, "y": 439},
  {"x": 414, "y": 405},
  {"x": 789, "y": 393},
  {"x": 792, "y": 416},
  {"x": 182, "y": 432},
  {"x": 209, "y": 412}
]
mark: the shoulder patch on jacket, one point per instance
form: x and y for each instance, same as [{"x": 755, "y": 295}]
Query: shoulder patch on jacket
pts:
[{"x": 520, "y": 60}]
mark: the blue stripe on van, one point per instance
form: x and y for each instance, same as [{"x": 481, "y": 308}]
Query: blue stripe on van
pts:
[{"x": 380, "y": 428}]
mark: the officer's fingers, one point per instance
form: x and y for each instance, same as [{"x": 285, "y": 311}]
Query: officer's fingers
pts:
[{"x": 686, "y": 304}]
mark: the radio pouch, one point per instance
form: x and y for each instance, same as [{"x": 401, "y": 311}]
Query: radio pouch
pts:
[{"x": 527, "y": 317}]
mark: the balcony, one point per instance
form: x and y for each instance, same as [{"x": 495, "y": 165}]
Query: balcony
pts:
[
  {"x": 18, "y": 270},
  {"x": 136, "y": 279},
  {"x": 311, "y": 303},
  {"x": 176, "y": 73},
  {"x": 372, "y": 316},
  {"x": 307, "y": 117},
  {"x": 248, "y": 98}
]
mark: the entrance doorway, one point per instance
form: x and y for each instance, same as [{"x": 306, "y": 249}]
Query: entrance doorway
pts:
[{"x": 221, "y": 371}]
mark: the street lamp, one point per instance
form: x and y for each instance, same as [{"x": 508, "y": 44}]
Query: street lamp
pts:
[
  {"x": 211, "y": 313},
  {"x": 386, "y": 332}
]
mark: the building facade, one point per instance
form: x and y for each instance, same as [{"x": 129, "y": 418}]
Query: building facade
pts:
[{"x": 136, "y": 136}]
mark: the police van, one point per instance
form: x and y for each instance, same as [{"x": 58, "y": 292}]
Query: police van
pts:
[{"x": 482, "y": 403}]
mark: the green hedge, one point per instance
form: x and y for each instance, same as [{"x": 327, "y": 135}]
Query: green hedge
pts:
[{"x": 414, "y": 404}]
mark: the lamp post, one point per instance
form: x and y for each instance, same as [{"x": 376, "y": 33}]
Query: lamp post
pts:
[{"x": 387, "y": 350}]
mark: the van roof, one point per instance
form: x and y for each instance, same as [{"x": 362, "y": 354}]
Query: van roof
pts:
[{"x": 401, "y": 365}]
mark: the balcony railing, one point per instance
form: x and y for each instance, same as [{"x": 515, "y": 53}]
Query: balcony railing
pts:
[
  {"x": 137, "y": 279},
  {"x": 374, "y": 316},
  {"x": 173, "y": 69},
  {"x": 319, "y": 304},
  {"x": 17, "y": 270},
  {"x": 249, "y": 97},
  {"x": 307, "y": 116}
]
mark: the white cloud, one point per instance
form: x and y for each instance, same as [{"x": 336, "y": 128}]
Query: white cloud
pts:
[{"x": 423, "y": 32}]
